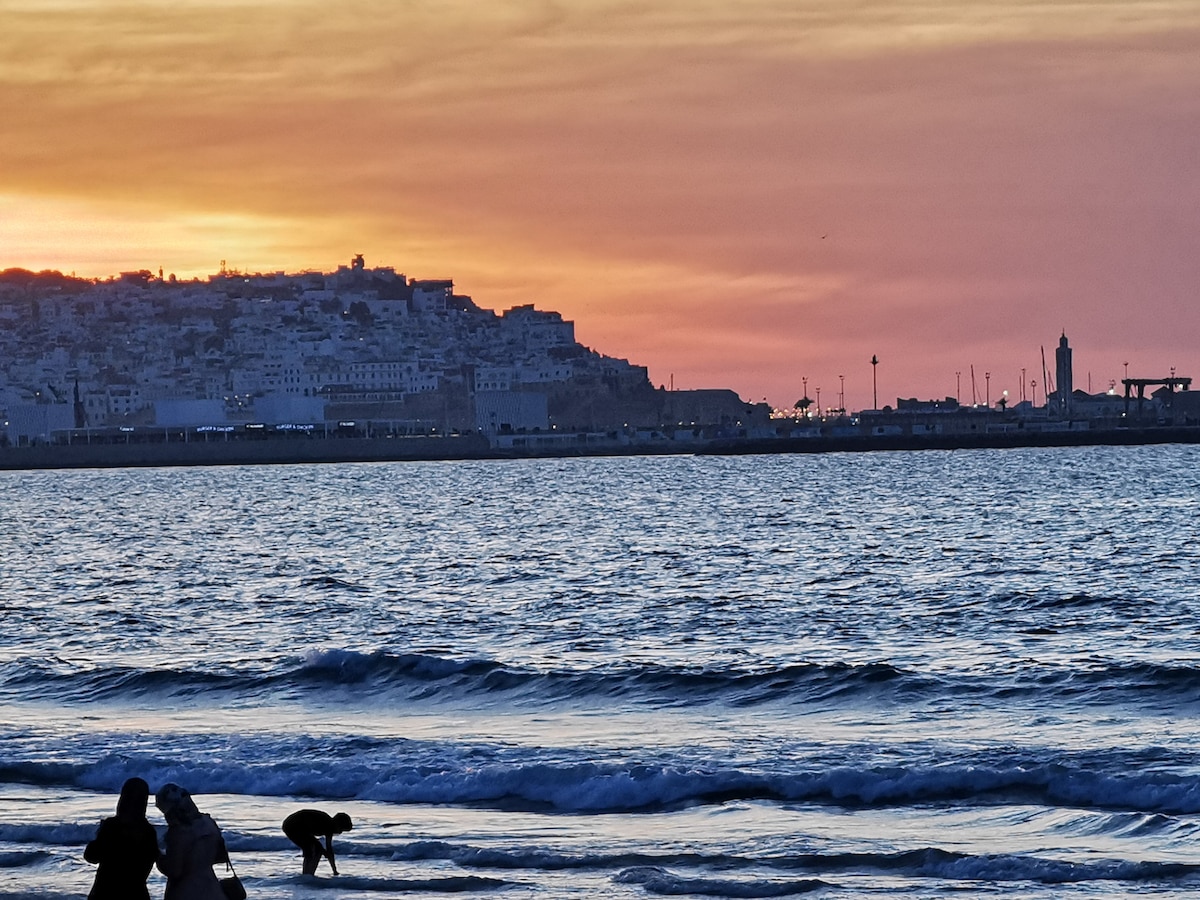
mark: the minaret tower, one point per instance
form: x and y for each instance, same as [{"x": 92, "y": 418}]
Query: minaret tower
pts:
[{"x": 1062, "y": 374}]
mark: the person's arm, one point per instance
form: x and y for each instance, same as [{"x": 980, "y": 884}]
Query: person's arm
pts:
[
  {"x": 222, "y": 852},
  {"x": 171, "y": 862},
  {"x": 94, "y": 851},
  {"x": 150, "y": 847},
  {"x": 329, "y": 852}
]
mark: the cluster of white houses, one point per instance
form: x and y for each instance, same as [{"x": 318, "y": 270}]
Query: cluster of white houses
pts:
[{"x": 141, "y": 350}]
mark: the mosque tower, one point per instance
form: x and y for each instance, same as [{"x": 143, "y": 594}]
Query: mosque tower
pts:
[{"x": 1062, "y": 376}]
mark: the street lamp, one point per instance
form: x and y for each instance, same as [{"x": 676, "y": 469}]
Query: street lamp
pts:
[
  {"x": 987, "y": 378},
  {"x": 842, "y": 394}
]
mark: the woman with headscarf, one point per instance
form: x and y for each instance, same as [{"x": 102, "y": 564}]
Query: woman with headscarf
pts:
[
  {"x": 125, "y": 848},
  {"x": 193, "y": 846}
]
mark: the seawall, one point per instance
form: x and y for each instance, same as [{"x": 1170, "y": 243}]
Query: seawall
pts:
[
  {"x": 292, "y": 450},
  {"x": 245, "y": 453}
]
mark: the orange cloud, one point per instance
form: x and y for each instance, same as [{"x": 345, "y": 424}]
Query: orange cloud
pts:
[{"x": 735, "y": 194}]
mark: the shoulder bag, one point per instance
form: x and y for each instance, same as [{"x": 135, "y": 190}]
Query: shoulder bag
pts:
[{"x": 232, "y": 887}]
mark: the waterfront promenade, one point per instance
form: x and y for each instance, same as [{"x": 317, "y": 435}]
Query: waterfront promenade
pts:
[{"x": 291, "y": 449}]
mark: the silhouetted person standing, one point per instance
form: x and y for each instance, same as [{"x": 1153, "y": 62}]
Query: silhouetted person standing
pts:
[
  {"x": 193, "y": 846},
  {"x": 306, "y": 827},
  {"x": 125, "y": 848}
]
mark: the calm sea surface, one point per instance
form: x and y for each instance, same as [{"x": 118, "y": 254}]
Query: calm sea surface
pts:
[{"x": 935, "y": 674}]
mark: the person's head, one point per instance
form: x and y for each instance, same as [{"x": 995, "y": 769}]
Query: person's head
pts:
[
  {"x": 341, "y": 822},
  {"x": 176, "y": 805},
  {"x": 135, "y": 794}
]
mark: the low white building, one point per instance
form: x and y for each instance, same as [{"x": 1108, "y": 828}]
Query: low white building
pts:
[
  {"x": 188, "y": 413},
  {"x": 276, "y": 409},
  {"x": 28, "y": 423},
  {"x": 493, "y": 378},
  {"x": 503, "y": 411}
]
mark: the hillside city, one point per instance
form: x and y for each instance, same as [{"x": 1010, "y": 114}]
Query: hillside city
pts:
[
  {"x": 360, "y": 344},
  {"x": 367, "y": 352}
]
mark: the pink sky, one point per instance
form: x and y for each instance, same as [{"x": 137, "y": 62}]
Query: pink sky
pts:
[{"x": 733, "y": 194}]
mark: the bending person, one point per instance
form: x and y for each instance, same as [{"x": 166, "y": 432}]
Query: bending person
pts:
[
  {"x": 305, "y": 829},
  {"x": 125, "y": 848},
  {"x": 194, "y": 846}
]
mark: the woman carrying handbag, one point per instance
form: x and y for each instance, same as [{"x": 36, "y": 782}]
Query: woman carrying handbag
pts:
[{"x": 193, "y": 846}]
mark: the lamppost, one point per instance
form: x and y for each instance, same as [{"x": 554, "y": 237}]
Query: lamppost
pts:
[
  {"x": 818, "y": 390},
  {"x": 874, "y": 382},
  {"x": 958, "y": 386},
  {"x": 842, "y": 394},
  {"x": 987, "y": 379},
  {"x": 1022, "y": 384}
]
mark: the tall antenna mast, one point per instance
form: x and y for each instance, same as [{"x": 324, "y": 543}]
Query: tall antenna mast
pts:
[{"x": 1045, "y": 379}]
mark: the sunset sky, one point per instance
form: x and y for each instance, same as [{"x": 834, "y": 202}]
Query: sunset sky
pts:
[{"x": 734, "y": 194}]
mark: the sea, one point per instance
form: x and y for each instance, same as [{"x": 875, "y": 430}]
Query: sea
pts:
[{"x": 883, "y": 675}]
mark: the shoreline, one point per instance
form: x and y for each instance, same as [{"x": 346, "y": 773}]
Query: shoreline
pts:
[
  {"x": 1000, "y": 440},
  {"x": 290, "y": 451}
]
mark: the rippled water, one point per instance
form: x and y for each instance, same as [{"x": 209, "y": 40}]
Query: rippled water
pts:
[{"x": 897, "y": 674}]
